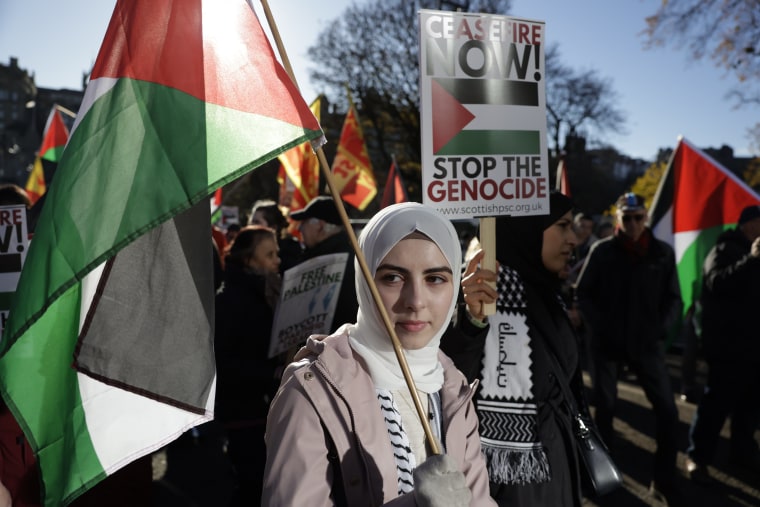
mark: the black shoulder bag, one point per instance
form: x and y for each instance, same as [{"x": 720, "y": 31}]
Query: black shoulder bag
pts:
[{"x": 601, "y": 474}]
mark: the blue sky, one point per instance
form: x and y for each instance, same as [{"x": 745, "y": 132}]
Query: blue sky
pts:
[{"x": 663, "y": 91}]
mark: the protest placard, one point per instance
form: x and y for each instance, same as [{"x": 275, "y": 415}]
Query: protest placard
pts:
[
  {"x": 308, "y": 300},
  {"x": 14, "y": 243},
  {"x": 483, "y": 115}
]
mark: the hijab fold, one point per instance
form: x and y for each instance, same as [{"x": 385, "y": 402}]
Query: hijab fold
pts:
[{"x": 369, "y": 337}]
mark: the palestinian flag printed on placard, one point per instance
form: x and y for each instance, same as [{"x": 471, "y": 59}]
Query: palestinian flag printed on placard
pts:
[
  {"x": 697, "y": 199},
  {"x": 456, "y": 133},
  {"x": 54, "y": 138},
  {"x": 184, "y": 97}
]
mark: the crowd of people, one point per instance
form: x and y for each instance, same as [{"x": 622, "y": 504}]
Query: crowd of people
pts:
[
  {"x": 456, "y": 407},
  {"x": 571, "y": 291}
]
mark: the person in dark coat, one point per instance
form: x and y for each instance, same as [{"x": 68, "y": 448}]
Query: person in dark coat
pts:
[
  {"x": 246, "y": 377},
  {"x": 731, "y": 344},
  {"x": 629, "y": 296},
  {"x": 525, "y": 425},
  {"x": 322, "y": 234}
]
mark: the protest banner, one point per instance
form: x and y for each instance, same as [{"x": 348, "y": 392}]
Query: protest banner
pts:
[
  {"x": 308, "y": 300},
  {"x": 483, "y": 115},
  {"x": 14, "y": 242}
]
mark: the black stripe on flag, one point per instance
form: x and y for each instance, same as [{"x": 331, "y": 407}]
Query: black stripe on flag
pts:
[
  {"x": 150, "y": 326},
  {"x": 491, "y": 91}
]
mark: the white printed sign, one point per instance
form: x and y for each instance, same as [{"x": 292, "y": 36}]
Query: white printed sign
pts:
[
  {"x": 14, "y": 243},
  {"x": 483, "y": 115},
  {"x": 308, "y": 300}
]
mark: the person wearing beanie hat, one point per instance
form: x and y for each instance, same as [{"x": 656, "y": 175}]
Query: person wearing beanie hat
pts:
[
  {"x": 527, "y": 438},
  {"x": 322, "y": 233},
  {"x": 729, "y": 303},
  {"x": 629, "y": 296}
]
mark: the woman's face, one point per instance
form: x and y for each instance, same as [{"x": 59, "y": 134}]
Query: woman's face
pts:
[
  {"x": 558, "y": 245},
  {"x": 259, "y": 218},
  {"x": 265, "y": 256},
  {"x": 416, "y": 285}
]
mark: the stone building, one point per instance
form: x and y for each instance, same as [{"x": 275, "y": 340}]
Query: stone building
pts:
[{"x": 24, "y": 109}]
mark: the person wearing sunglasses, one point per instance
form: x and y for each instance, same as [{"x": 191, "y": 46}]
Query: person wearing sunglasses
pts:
[{"x": 628, "y": 294}]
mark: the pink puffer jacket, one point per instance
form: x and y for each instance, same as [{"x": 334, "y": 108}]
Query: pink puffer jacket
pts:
[{"x": 327, "y": 443}]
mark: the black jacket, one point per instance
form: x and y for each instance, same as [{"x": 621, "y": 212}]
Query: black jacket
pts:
[
  {"x": 246, "y": 379},
  {"x": 730, "y": 300},
  {"x": 629, "y": 305}
]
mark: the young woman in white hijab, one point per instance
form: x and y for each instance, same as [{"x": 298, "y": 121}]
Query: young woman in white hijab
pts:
[{"x": 342, "y": 429}]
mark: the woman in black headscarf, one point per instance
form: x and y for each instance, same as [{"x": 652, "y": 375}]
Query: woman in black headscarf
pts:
[{"x": 525, "y": 425}]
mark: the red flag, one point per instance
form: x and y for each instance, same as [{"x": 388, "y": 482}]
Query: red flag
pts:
[
  {"x": 54, "y": 139},
  {"x": 299, "y": 172},
  {"x": 351, "y": 167},
  {"x": 562, "y": 182},
  {"x": 395, "y": 190}
]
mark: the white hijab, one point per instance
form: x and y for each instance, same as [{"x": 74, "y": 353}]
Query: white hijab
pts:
[{"x": 369, "y": 337}]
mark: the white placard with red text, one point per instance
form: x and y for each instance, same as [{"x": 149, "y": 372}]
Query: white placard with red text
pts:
[{"x": 483, "y": 115}]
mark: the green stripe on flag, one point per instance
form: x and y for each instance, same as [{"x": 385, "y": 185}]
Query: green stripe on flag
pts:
[
  {"x": 206, "y": 145},
  {"x": 691, "y": 262},
  {"x": 51, "y": 386},
  {"x": 53, "y": 154},
  {"x": 493, "y": 142}
]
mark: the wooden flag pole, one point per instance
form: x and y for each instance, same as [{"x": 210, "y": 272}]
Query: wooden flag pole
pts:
[{"x": 432, "y": 441}]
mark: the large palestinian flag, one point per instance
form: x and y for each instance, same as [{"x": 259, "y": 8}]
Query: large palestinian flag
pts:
[
  {"x": 108, "y": 353},
  {"x": 697, "y": 199}
]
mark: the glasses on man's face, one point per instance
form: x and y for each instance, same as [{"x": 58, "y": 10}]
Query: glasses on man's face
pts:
[{"x": 638, "y": 218}]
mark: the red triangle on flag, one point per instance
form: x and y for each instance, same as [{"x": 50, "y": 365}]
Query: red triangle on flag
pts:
[
  {"x": 708, "y": 194},
  {"x": 449, "y": 116},
  {"x": 184, "y": 55},
  {"x": 54, "y": 138}
]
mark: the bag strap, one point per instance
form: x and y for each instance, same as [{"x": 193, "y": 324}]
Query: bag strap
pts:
[
  {"x": 559, "y": 374},
  {"x": 559, "y": 371}
]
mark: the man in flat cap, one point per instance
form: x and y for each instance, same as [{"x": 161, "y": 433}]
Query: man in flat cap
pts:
[
  {"x": 322, "y": 233},
  {"x": 629, "y": 296},
  {"x": 731, "y": 344}
]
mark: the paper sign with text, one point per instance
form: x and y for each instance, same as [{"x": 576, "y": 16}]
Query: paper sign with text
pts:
[
  {"x": 308, "y": 300},
  {"x": 483, "y": 115},
  {"x": 14, "y": 243}
]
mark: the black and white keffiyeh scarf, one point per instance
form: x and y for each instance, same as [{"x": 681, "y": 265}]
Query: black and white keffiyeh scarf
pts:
[
  {"x": 405, "y": 459},
  {"x": 506, "y": 406}
]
